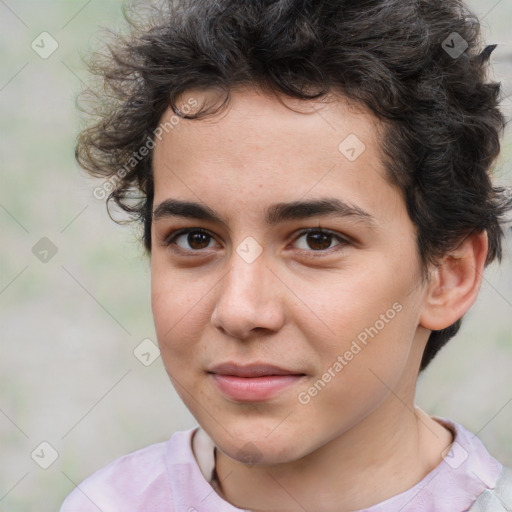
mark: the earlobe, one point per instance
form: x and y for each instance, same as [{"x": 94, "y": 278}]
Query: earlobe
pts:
[{"x": 455, "y": 283}]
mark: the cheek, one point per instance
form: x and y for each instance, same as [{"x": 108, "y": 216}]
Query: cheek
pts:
[
  {"x": 345, "y": 303},
  {"x": 368, "y": 317},
  {"x": 358, "y": 369},
  {"x": 178, "y": 303}
]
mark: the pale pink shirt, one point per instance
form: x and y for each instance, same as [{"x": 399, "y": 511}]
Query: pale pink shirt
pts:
[{"x": 167, "y": 477}]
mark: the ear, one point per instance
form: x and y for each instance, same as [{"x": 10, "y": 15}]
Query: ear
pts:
[{"x": 455, "y": 283}]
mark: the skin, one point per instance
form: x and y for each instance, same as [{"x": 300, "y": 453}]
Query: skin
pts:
[{"x": 361, "y": 439}]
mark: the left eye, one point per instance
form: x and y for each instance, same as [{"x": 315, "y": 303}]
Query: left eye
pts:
[
  {"x": 319, "y": 240},
  {"x": 313, "y": 240}
]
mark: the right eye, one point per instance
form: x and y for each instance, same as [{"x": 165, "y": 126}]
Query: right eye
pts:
[{"x": 197, "y": 240}]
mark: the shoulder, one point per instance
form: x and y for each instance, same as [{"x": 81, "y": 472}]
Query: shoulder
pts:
[
  {"x": 138, "y": 481},
  {"x": 498, "y": 499},
  {"x": 485, "y": 469}
]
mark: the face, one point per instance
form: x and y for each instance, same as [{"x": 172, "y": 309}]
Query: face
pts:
[{"x": 279, "y": 321}]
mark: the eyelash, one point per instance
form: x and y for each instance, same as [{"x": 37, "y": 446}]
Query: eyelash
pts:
[{"x": 171, "y": 238}]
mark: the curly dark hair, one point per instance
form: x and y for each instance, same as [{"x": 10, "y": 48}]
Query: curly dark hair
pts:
[{"x": 418, "y": 65}]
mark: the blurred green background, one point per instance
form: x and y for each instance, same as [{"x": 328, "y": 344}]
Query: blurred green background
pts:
[{"x": 70, "y": 324}]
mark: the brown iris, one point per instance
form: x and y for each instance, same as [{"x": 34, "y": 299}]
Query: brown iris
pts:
[
  {"x": 318, "y": 239},
  {"x": 198, "y": 239}
]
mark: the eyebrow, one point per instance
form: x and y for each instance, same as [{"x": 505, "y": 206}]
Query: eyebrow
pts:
[{"x": 276, "y": 213}]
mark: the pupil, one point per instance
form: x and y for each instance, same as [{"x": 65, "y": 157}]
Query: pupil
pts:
[{"x": 315, "y": 240}]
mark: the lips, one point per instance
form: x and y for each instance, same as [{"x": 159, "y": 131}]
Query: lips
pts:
[
  {"x": 252, "y": 383},
  {"x": 252, "y": 370}
]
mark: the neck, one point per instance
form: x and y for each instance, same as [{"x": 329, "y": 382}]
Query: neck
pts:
[{"x": 385, "y": 454}]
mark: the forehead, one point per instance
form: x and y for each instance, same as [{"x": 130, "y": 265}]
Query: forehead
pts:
[
  {"x": 260, "y": 151},
  {"x": 253, "y": 119}
]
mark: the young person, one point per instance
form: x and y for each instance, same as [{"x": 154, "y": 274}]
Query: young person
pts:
[{"x": 318, "y": 209}]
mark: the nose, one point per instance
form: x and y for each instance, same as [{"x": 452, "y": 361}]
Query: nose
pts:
[{"x": 249, "y": 299}]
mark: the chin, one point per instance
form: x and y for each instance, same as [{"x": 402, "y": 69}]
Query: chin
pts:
[{"x": 258, "y": 445}]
